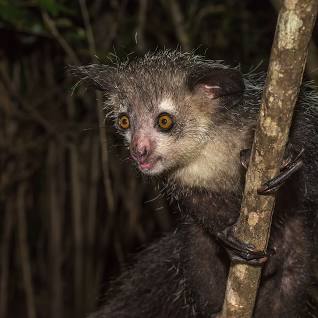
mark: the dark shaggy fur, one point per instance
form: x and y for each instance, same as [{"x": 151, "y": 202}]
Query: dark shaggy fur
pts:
[{"x": 184, "y": 274}]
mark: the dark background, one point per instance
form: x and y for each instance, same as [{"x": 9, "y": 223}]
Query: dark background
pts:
[{"x": 72, "y": 208}]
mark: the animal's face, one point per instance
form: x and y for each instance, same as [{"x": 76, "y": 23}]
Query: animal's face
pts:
[
  {"x": 166, "y": 106},
  {"x": 165, "y": 136}
]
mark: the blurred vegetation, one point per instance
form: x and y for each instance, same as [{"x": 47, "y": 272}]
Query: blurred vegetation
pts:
[{"x": 71, "y": 206}]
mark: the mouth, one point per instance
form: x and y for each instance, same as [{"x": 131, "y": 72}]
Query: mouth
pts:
[{"x": 148, "y": 165}]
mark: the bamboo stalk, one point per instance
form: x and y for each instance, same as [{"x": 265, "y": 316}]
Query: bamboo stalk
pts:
[
  {"x": 5, "y": 257},
  {"x": 24, "y": 251},
  {"x": 90, "y": 272},
  {"x": 287, "y": 63},
  {"x": 179, "y": 24},
  {"x": 140, "y": 29},
  {"x": 55, "y": 235},
  {"x": 76, "y": 190}
]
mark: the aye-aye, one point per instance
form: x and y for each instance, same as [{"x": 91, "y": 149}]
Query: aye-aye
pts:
[{"x": 187, "y": 120}]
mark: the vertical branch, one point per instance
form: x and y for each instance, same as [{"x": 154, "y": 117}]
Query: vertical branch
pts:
[
  {"x": 141, "y": 20},
  {"x": 312, "y": 58},
  {"x": 5, "y": 256},
  {"x": 91, "y": 220},
  {"x": 100, "y": 113},
  {"x": 77, "y": 219},
  {"x": 24, "y": 251},
  {"x": 7, "y": 224},
  {"x": 88, "y": 28},
  {"x": 55, "y": 235},
  {"x": 178, "y": 21},
  {"x": 287, "y": 63}
]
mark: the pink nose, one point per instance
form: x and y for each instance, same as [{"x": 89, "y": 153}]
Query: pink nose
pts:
[{"x": 141, "y": 148}]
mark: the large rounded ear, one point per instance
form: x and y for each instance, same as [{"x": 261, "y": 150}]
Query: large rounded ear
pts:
[
  {"x": 217, "y": 83},
  {"x": 98, "y": 76}
]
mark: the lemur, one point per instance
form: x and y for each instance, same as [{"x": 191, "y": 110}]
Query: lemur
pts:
[{"x": 187, "y": 119}]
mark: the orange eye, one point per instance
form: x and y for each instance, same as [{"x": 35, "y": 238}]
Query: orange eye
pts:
[
  {"x": 123, "y": 122},
  {"x": 165, "y": 121}
]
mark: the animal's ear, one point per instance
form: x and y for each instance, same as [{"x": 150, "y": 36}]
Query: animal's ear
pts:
[
  {"x": 98, "y": 76},
  {"x": 226, "y": 84}
]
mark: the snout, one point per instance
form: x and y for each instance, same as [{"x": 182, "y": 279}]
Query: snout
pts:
[{"x": 142, "y": 150}]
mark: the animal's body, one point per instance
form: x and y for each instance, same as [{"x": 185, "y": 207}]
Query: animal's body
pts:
[{"x": 187, "y": 119}]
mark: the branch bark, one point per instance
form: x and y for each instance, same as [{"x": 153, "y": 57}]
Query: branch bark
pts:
[
  {"x": 287, "y": 63},
  {"x": 312, "y": 58}
]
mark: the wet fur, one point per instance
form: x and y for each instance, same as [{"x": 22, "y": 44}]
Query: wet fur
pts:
[{"x": 184, "y": 273}]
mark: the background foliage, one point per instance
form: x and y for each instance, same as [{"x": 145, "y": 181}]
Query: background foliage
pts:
[{"x": 71, "y": 206}]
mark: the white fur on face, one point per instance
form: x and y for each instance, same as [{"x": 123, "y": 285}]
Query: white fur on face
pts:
[
  {"x": 217, "y": 166},
  {"x": 167, "y": 105}
]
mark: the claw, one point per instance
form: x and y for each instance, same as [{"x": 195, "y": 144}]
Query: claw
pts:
[
  {"x": 274, "y": 184},
  {"x": 291, "y": 164},
  {"x": 239, "y": 251},
  {"x": 289, "y": 160}
]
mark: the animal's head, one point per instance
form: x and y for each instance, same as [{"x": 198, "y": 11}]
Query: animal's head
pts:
[{"x": 167, "y": 105}]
